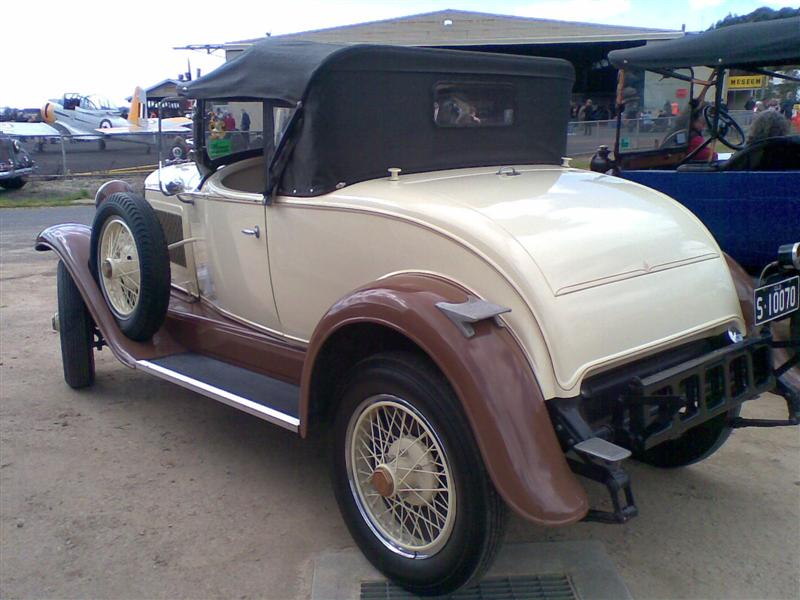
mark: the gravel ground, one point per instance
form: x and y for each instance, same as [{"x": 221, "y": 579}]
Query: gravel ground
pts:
[{"x": 139, "y": 489}]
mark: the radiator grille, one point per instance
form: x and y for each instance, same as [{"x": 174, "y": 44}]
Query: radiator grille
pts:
[
  {"x": 172, "y": 225},
  {"x": 532, "y": 587}
]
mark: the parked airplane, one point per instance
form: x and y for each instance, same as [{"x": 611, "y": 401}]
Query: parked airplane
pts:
[
  {"x": 75, "y": 114},
  {"x": 78, "y": 117},
  {"x": 139, "y": 122}
]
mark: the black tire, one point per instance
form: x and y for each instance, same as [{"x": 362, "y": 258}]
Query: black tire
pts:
[
  {"x": 154, "y": 270},
  {"x": 14, "y": 183},
  {"x": 481, "y": 515},
  {"x": 693, "y": 446},
  {"x": 76, "y": 330}
]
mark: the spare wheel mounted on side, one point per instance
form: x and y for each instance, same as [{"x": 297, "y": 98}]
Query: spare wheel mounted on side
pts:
[{"x": 130, "y": 261}]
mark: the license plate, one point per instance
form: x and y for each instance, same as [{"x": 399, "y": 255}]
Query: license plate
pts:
[{"x": 776, "y": 300}]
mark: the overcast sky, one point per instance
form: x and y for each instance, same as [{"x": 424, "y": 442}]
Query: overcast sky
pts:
[{"x": 109, "y": 47}]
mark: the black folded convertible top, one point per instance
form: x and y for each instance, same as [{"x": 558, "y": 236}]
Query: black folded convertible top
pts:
[
  {"x": 283, "y": 70},
  {"x": 365, "y": 108},
  {"x": 761, "y": 44}
]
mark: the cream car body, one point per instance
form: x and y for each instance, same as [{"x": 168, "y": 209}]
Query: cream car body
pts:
[
  {"x": 552, "y": 244},
  {"x": 387, "y": 252}
]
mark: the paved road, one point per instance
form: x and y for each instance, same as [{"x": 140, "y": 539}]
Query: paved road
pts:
[{"x": 19, "y": 227}]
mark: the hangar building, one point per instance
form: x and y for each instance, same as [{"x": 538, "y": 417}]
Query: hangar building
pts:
[{"x": 585, "y": 45}]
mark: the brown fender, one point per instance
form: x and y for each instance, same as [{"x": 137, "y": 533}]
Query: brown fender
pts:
[
  {"x": 72, "y": 243},
  {"x": 490, "y": 375},
  {"x": 111, "y": 187}
]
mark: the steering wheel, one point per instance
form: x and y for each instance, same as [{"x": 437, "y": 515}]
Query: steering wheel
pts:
[
  {"x": 729, "y": 129},
  {"x": 671, "y": 141}
]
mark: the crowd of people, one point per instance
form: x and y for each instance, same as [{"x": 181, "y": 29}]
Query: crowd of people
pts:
[
  {"x": 784, "y": 107},
  {"x": 588, "y": 112}
]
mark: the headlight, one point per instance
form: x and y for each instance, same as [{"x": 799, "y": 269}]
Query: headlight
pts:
[{"x": 789, "y": 255}]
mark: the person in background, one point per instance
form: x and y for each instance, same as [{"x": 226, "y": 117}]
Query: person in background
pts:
[
  {"x": 759, "y": 107},
  {"x": 586, "y": 114},
  {"x": 787, "y": 105},
  {"x": 767, "y": 124},
  {"x": 244, "y": 125},
  {"x": 230, "y": 122},
  {"x": 750, "y": 104},
  {"x": 696, "y": 139}
]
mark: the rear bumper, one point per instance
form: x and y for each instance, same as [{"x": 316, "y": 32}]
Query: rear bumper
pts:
[
  {"x": 660, "y": 399},
  {"x": 13, "y": 173},
  {"x": 664, "y": 405}
]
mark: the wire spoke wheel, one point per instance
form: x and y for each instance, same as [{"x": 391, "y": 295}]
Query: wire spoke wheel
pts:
[
  {"x": 400, "y": 477},
  {"x": 118, "y": 265}
]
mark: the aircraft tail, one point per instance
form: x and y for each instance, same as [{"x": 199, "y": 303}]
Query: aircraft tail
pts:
[{"x": 138, "y": 112}]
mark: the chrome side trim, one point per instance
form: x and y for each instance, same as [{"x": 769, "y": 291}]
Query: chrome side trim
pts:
[{"x": 257, "y": 410}]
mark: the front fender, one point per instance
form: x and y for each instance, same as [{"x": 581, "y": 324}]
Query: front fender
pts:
[
  {"x": 490, "y": 375},
  {"x": 72, "y": 243}
]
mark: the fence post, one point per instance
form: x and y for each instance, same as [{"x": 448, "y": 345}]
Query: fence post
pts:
[{"x": 63, "y": 155}]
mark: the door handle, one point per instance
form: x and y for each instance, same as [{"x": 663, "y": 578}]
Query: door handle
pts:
[{"x": 255, "y": 231}]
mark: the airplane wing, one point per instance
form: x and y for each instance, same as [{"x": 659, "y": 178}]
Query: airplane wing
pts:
[
  {"x": 28, "y": 129},
  {"x": 178, "y": 125}
]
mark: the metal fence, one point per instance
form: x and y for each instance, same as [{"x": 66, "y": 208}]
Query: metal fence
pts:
[
  {"x": 73, "y": 156},
  {"x": 138, "y": 153},
  {"x": 646, "y": 133}
]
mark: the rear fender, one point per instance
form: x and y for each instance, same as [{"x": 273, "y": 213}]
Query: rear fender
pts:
[{"x": 490, "y": 375}]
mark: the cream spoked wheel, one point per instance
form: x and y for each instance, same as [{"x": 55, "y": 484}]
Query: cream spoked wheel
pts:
[
  {"x": 399, "y": 477},
  {"x": 130, "y": 262},
  {"x": 118, "y": 266}
]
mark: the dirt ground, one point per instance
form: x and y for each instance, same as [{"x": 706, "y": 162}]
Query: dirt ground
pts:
[{"x": 139, "y": 489}]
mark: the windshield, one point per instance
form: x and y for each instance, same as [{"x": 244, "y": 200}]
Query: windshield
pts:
[
  {"x": 655, "y": 111},
  {"x": 232, "y": 127},
  {"x": 95, "y": 102}
]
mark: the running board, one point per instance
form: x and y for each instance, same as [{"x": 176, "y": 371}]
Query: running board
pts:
[{"x": 259, "y": 395}]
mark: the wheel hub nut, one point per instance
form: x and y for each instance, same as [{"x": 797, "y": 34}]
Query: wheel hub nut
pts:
[
  {"x": 382, "y": 479},
  {"x": 107, "y": 268}
]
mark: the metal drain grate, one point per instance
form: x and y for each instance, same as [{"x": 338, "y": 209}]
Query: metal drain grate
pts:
[{"x": 531, "y": 587}]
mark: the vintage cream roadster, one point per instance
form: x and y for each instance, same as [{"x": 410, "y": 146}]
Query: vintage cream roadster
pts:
[{"x": 393, "y": 254}]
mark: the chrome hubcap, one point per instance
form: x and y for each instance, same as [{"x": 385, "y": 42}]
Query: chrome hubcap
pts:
[
  {"x": 400, "y": 477},
  {"x": 118, "y": 262}
]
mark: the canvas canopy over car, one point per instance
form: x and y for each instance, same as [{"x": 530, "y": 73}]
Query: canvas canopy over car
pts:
[
  {"x": 774, "y": 43},
  {"x": 362, "y": 109}
]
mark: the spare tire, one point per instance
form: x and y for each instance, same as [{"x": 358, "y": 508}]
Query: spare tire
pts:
[{"x": 130, "y": 261}]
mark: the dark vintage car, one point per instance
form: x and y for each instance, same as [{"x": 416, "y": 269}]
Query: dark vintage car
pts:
[
  {"x": 15, "y": 163},
  {"x": 751, "y": 200},
  {"x": 393, "y": 256}
]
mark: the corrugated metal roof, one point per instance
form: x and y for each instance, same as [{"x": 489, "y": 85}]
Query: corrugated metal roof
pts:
[{"x": 464, "y": 28}]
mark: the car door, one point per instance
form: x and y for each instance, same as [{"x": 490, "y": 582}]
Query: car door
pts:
[{"x": 228, "y": 220}]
